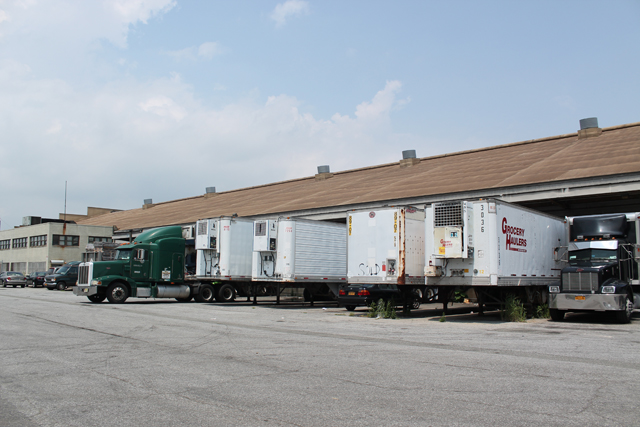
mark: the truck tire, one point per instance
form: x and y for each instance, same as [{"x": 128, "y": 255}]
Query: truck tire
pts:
[
  {"x": 117, "y": 293},
  {"x": 226, "y": 293},
  {"x": 556, "y": 315},
  {"x": 624, "y": 316},
  {"x": 62, "y": 286},
  {"x": 96, "y": 298},
  {"x": 205, "y": 294}
]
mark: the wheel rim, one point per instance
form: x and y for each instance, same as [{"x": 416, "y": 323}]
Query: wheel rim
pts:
[
  {"x": 207, "y": 294},
  {"x": 118, "y": 293},
  {"x": 227, "y": 294}
]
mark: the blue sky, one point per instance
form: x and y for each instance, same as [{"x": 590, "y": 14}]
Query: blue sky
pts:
[{"x": 134, "y": 99}]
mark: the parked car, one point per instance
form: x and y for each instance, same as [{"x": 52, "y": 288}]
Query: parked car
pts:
[
  {"x": 36, "y": 279},
  {"x": 65, "y": 278},
  {"x": 352, "y": 296},
  {"x": 12, "y": 278}
]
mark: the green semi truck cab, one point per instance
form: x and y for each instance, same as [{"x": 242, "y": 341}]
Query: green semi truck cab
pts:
[{"x": 152, "y": 266}]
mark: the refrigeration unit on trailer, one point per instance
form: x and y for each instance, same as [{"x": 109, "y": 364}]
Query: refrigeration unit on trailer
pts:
[
  {"x": 602, "y": 275},
  {"x": 223, "y": 253},
  {"x": 492, "y": 248},
  {"x": 311, "y": 254},
  {"x": 385, "y": 246}
]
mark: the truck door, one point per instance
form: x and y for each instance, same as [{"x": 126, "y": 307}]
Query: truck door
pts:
[
  {"x": 177, "y": 269},
  {"x": 140, "y": 265}
]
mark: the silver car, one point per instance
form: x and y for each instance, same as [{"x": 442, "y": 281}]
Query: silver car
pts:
[{"x": 12, "y": 278}]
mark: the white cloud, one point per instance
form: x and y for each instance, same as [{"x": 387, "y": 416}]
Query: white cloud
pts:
[
  {"x": 164, "y": 107},
  {"x": 73, "y": 25},
  {"x": 288, "y": 9},
  {"x": 209, "y": 49},
  {"x": 206, "y": 50},
  {"x": 132, "y": 11}
]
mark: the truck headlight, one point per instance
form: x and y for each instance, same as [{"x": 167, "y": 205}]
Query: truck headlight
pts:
[
  {"x": 554, "y": 289},
  {"x": 95, "y": 282},
  {"x": 608, "y": 289}
]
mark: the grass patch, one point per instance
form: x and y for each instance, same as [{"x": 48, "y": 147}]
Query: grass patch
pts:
[
  {"x": 514, "y": 310},
  {"x": 382, "y": 310},
  {"x": 443, "y": 318},
  {"x": 542, "y": 312}
]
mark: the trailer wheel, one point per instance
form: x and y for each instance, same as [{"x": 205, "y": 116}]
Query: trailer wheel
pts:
[
  {"x": 205, "y": 294},
  {"x": 556, "y": 315},
  {"x": 624, "y": 316},
  {"x": 226, "y": 293},
  {"x": 117, "y": 293},
  {"x": 350, "y": 307},
  {"x": 96, "y": 298}
]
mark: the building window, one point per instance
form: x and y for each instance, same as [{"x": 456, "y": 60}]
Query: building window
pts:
[
  {"x": 20, "y": 242},
  {"x": 65, "y": 240},
  {"x": 5, "y": 244},
  {"x": 35, "y": 241},
  {"x": 100, "y": 239}
]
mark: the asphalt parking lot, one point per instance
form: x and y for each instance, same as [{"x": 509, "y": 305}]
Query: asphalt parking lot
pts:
[{"x": 68, "y": 362}]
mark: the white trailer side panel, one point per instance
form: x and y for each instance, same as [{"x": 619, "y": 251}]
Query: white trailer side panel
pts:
[
  {"x": 236, "y": 248},
  {"x": 311, "y": 251},
  {"x": 386, "y": 246},
  {"x": 230, "y": 257},
  {"x": 507, "y": 246}
]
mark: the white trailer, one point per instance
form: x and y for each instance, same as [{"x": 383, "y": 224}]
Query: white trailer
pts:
[
  {"x": 297, "y": 251},
  {"x": 223, "y": 252},
  {"x": 490, "y": 248},
  {"x": 386, "y": 245}
]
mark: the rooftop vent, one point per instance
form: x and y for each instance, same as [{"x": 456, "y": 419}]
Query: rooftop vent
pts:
[
  {"x": 210, "y": 192},
  {"x": 589, "y": 128},
  {"x": 324, "y": 172},
  {"x": 409, "y": 158},
  {"x": 409, "y": 154},
  {"x": 147, "y": 203},
  {"x": 591, "y": 122}
]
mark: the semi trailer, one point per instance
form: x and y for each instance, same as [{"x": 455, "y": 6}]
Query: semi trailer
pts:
[
  {"x": 602, "y": 275},
  {"x": 386, "y": 246},
  {"x": 296, "y": 252},
  {"x": 490, "y": 249},
  {"x": 223, "y": 255}
]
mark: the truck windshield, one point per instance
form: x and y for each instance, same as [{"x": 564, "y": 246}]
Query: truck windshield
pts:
[
  {"x": 62, "y": 270},
  {"x": 123, "y": 254},
  {"x": 592, "y": 255}
]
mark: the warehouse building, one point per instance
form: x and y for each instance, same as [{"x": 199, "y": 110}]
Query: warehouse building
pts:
[
  {"x": 38, "y": 247},
  {"x": 42, "y": 243},
  {"x": 594, "y": 170}
]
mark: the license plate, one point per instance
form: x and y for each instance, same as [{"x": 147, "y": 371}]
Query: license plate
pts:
[
  {"x": 580, "y": 298},
  {"x": 85, "y": 290},
  {"x": 352, "y": 293}
]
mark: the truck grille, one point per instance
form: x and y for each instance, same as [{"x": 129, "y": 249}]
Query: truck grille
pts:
[
  {"x": 585, "y": 282},
  {"x": 84, "y": 274},
  {"x": 447, "y": 214}
]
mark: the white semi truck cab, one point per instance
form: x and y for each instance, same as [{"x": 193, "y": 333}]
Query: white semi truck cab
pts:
[{"x": 602, "y": 274}]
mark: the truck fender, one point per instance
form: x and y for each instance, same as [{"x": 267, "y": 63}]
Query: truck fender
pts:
[{"x": 107, "y": 280}]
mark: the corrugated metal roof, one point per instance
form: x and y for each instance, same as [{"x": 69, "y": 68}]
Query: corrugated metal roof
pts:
[{"x": 565, "y": 157}]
